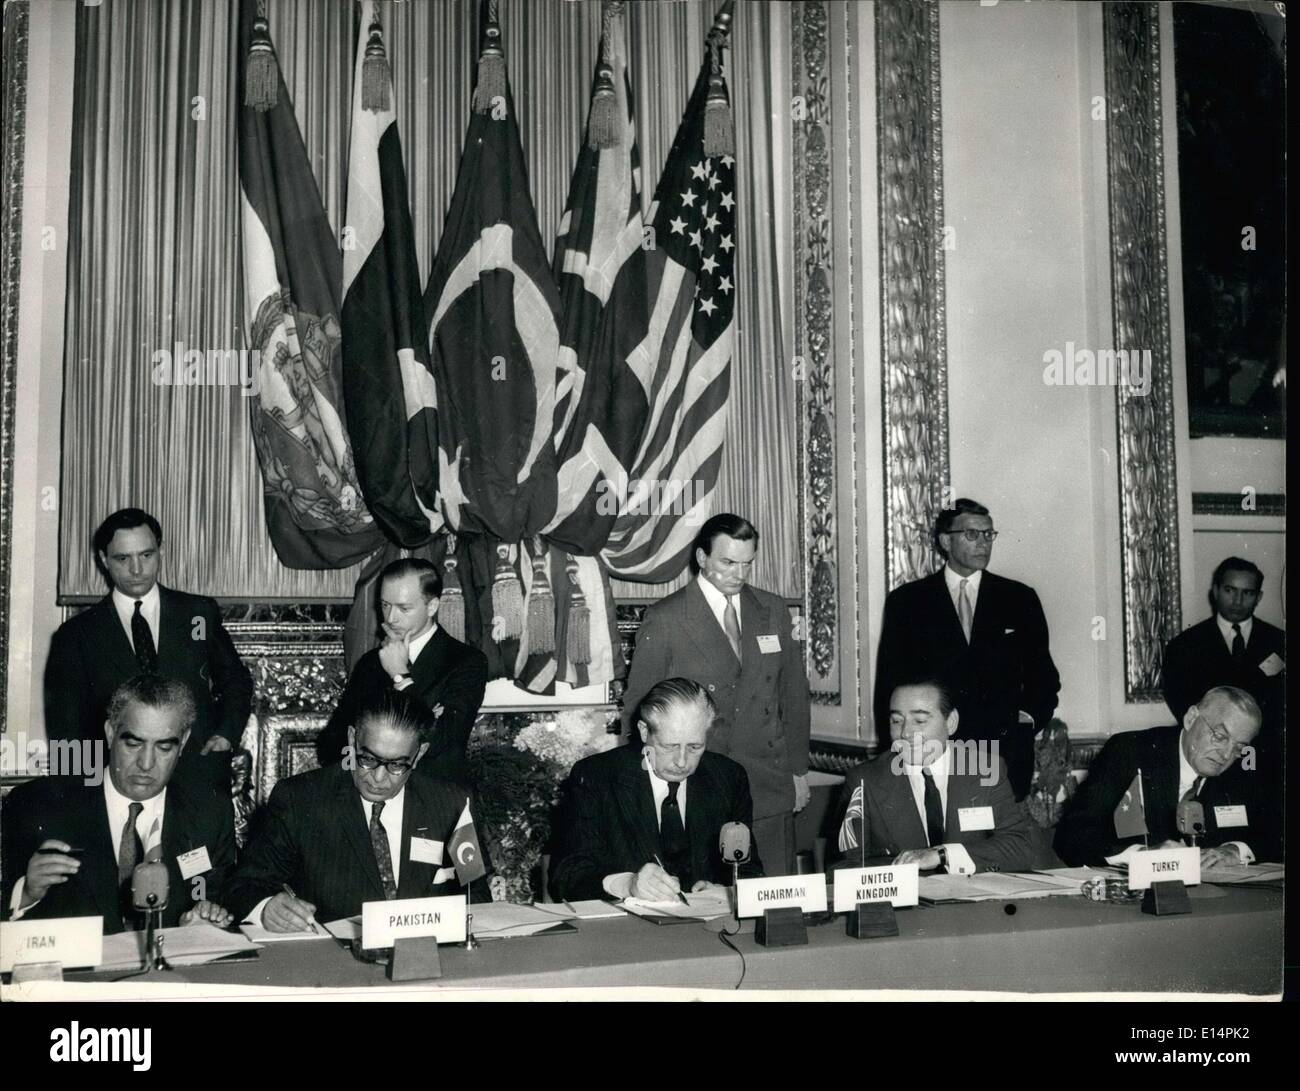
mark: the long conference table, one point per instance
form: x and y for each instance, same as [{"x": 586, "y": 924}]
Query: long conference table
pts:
[{"x": 1230, "y": 943}]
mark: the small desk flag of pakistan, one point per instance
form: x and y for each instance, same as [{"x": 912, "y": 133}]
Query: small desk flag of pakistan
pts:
[
  {"x": 1130, "y": 814},
  {"x": 466, "y": 853}
]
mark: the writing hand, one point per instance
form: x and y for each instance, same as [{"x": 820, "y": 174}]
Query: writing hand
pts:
[
  {"x": 653, "y": 884},
  {"x": 284, "y": 913}
]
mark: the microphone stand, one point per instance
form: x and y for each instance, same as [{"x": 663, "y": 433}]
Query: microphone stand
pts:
[{"x": 153, "y": 941}]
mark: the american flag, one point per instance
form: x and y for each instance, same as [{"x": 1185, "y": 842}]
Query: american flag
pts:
[
  {"x": 684, "y": 362},
  {"x": 848, "y": 838}
]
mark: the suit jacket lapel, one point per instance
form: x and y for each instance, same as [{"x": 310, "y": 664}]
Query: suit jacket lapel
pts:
[
  {"x": 637, "y": 803},
  {"x": 984, "y": 624},
  {"x": 99, "y": 861},
  {"x": 114, "y": 640},
  {"x": 430, "y": 664},
  {"x": 961, "y": 793},
  {"x": 414, "y": 876},
  {"x": 904, "y": 820},
  {"x": 755, "y": 621},
  {"x": 703, "y": 629},
  {"x": 356, "y": 832},
  {"x": 701, "y": 820},
  {"x": 942, "y": 607}
]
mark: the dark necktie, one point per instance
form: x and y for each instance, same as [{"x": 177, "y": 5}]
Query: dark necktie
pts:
[
  {"x": 1193, "y": 791},
  {"x": 130, "y": 851},
  {"x": 1238, "y": 643},
  {"x": 146, "y": 655},
  {"x": 383, "y": 857},
  {"x": 933, "y": 810},
  {"x": 672, "y": 836}
]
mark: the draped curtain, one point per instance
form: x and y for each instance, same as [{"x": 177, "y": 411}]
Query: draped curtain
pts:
[{"x": 154, "y": 244}]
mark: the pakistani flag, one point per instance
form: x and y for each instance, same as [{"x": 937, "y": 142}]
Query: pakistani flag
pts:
[
  {"x": 465, "y": 851},
  {"x": 387, "y": 380},
  {"x": 315, "y": 513}
]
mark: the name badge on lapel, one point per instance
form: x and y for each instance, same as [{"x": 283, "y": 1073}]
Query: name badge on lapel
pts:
[
  {"x": 971, "y": 819},
  {"x": 1273, "y": 665},
  {"x": 769, "y": 644},
  {"x": 425, "y": 851},
  {"x": 1228, "y": 816},
  {"x": 195, "y": 862}
]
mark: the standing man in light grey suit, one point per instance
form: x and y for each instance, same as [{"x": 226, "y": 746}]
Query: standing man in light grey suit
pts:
[{"x": 738, "y": 642}]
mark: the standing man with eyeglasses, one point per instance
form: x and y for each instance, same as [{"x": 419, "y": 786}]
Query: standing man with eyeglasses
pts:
[
  {"x": 1200, "y": 762},
  {"x": 983, "y": 634},
  {"x": 361, "y": 831}
]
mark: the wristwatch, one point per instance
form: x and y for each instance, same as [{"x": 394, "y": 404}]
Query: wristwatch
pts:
[{"x": 943, "y": 858}]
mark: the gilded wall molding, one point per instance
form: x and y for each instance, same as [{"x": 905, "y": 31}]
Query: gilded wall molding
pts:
[
  {"x": 11, "y": 228},
  {"x": 914, "y": 363},
  {"x": 1139, "y": 275},
  {"x": 815, "y": 340}
]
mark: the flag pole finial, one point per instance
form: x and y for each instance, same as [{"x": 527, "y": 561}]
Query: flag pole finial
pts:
[
  {"x": 376, "y": 75},
  {"x": 491, "y": 64},
  {"x": 262, "y": 76},
  {"x": 603, "y": 123}
]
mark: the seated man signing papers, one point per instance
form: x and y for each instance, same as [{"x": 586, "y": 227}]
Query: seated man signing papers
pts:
[
  {"x": 643, "y": 821},
  {"x": 933, "y": 802},
  {"x": 72, "y": 843},
  {"x": 1142, "y": 781},
  {"x": 366, "y": 830}
]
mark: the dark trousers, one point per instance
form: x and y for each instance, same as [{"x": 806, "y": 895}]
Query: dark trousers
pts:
[{"x": 774, "y": 837}]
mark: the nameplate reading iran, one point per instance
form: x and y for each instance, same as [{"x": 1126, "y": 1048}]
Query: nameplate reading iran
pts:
[
  {"x": 71, "y": 941},
  {"x": 897, "y": 884},
  {"x": 1164, "y": 865},
  {"x": 754, "y": 897},
  {"x": 383, "y": 922}
]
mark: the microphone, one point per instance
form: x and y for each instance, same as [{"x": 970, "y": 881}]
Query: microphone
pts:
[
  {"x": 733, "y": 843},
  {"x": 1191, "y": 819},
  {"x": 150, "y": 885}
]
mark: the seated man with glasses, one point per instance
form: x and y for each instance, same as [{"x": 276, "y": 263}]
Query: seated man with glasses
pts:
[
  {"x": 983, "y": 634},
  {"x": 330, "y": 839},
  {"x": 1208, "y": 760}
]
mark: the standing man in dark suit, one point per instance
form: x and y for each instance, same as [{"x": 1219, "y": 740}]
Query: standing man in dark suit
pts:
[
  {"x": 1197, "y": 762},
  {"x": 364, "y": 830},
  {"x": 930, "y": 801},
  {"x": 71, "y": 842},
  {"x": 141, "y": 626},
  {"x": 738, "y": 642},
  {"x": 986, "y": 636},
  {"x": 643, "y": 821},
  {"x": 418, "y": 658}
]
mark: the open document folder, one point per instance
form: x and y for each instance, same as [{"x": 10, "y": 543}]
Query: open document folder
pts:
[
  {"x": 191, "y": 945},
  {"x": 999, "y": 886},
  {"x": 501, "y": 920},
  {"x": 705, "y": 905}
]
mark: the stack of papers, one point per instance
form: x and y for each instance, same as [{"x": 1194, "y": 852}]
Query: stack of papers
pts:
[
  {"x": 192, "y": 945},
  {"x": 705, "y": 906},
  {"x": 260, "y": 935},
  {"x": 591, "y": 910},
  {"x": 999, "y": 886},
  {"x": 1243, "y": 873},
  {"x": 499, "y": 920}
]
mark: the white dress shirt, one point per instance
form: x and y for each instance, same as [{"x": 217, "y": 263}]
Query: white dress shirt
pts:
[
  {"x": 415, "y": 648},
  {"x": 959, "y": 860},
  {"x": 619, "y": 884},
  {"x": 718, "y": 603},
  {"x": 150, "y": 607},
  {"x": 953, "y": 580},
  {"x": 1225, "y": 627},
  {"x": 148, "y": 825}
]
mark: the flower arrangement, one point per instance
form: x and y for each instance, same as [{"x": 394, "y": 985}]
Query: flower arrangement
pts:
[{"x": 518, "y": 763}]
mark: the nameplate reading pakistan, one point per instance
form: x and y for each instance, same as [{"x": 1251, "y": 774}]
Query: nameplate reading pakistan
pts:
[
  {"x": 755, "y": 896},
  {"x": 70, "y": 941},
  {"x": 1164, "y": 865},
  {"x": 442, "y": 918},
  {"x": 897, "y": 884}
]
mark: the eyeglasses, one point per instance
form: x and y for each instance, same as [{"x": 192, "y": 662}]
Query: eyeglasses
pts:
[
  {"x": 1221, "y": 738},
  {"x": 974, "y": 536},
  {"x": 399, "y": 767}
]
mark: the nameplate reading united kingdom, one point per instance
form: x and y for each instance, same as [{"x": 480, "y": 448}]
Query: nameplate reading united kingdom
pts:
[
  {"x": 442, "y": 918},
  {"x": 70, "y": 941},
  {"x": 897, "y": 884},
  {"x": 755, "y": 896},
  {"x": 1163, "y": 866}
]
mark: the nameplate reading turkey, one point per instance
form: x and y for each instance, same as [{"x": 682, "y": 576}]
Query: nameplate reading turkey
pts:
[
  {"x": 70, "y": 941},
  {"x": 1164, "y": 866},
  {"x": 384, "y": 922},
  {"x": 754, "y": 897},
  {"x": 897, "y": 884}
]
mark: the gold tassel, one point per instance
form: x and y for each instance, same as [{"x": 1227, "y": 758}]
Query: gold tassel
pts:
[
  {"x": 491, "y": 66},
  {"x": 541, "y": 605},
  {"x": 603, "y": 127},
  {"x": 376, "y": 76},
  {"x": 578, "y": 642},
  {"x": 719, "y": 133},
  {"x": 451, "y": 612},
  {"x": 262, "y": 76},
  {"x": 507, "y": 599}
]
